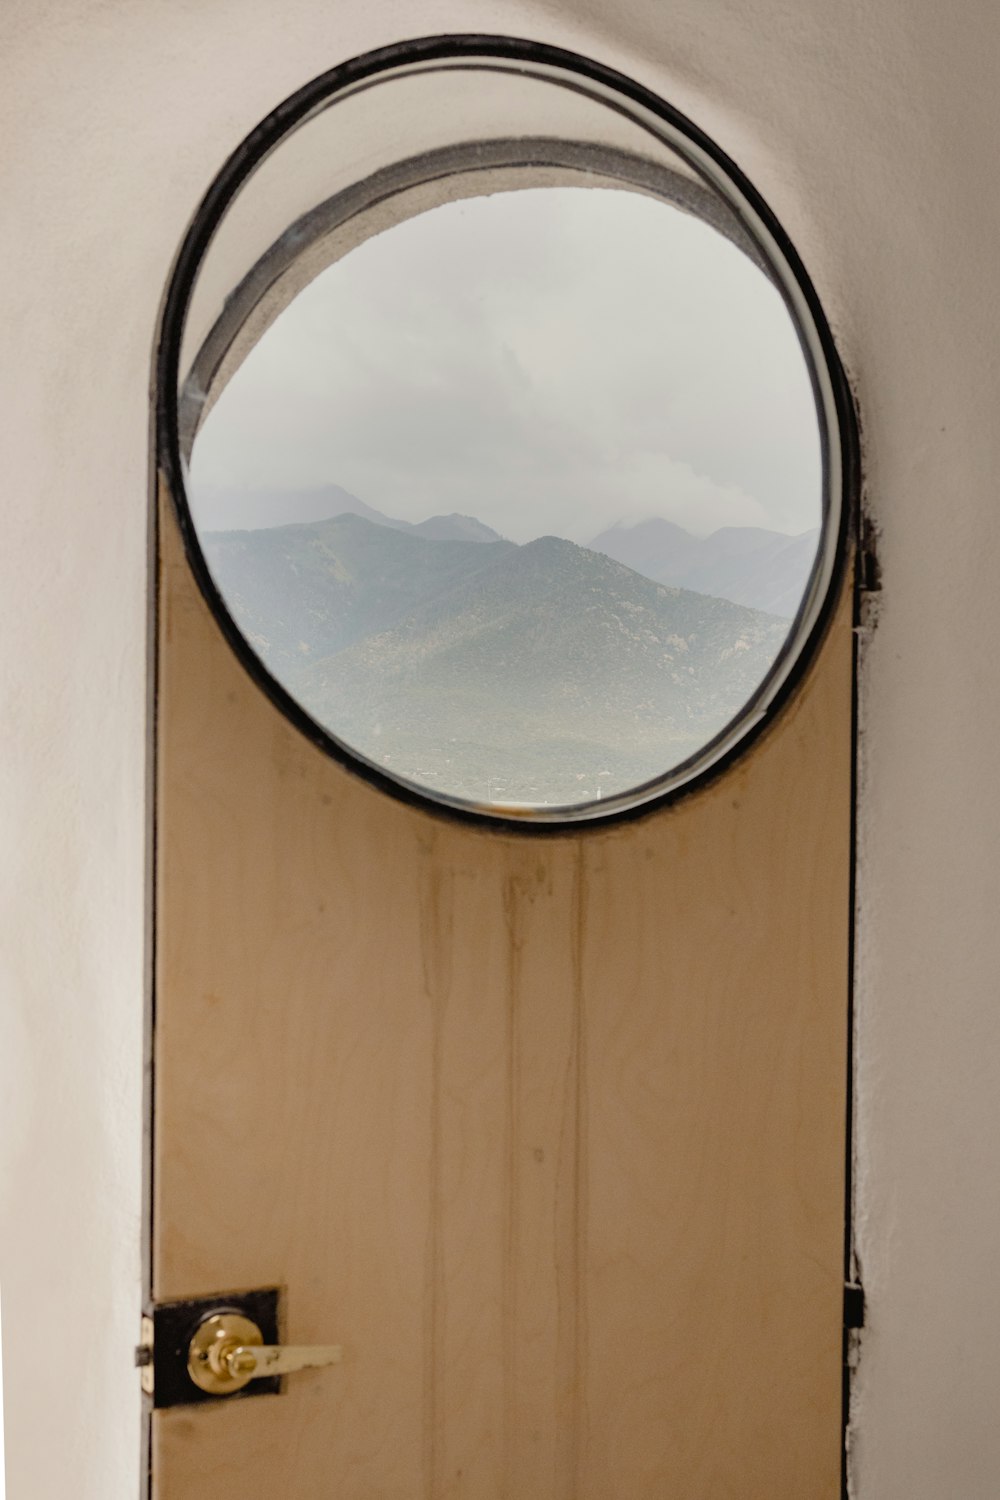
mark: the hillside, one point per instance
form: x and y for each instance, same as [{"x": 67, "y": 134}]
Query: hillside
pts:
[
  {"x": 306, "y": 591},
  {"x": 542, "y": 673}
]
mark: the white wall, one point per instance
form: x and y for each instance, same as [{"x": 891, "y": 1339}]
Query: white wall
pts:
[{"x": 873, "y": 130}]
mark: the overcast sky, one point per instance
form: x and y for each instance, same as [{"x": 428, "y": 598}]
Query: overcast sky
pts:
[{"x": 551, "y": 360}]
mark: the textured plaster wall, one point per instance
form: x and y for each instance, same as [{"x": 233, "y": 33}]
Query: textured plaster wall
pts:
[{"x": 873, "y": 130}]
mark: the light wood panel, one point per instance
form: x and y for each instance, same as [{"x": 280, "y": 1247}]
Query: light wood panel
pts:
[{"x": 549, "y": 1133}]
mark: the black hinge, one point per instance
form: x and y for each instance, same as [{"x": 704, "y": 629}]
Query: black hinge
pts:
[
  {"x": 869, "y": 575},
  {"x": 854, "y": 1305}
]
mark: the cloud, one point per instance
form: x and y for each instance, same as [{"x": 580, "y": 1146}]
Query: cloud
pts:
[{"x": 549, "y": 360}]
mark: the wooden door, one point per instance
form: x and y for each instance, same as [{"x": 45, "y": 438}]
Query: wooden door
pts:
[{"x": 548, "y": 1131}]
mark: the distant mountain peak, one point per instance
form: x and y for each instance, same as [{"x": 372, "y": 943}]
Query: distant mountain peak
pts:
[
  {"x": 245, "y": 508},
  {"x": 650, "y": 524},
  {"x": 749, "y": 565},
  {"x": 455, "y": 528},
  {"x": 550, "y": 544}
]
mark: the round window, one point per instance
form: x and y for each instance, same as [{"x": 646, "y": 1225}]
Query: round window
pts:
[{"x": 505, "y": 434}]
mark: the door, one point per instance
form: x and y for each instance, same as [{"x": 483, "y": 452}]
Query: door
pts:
[
  {"x": 544, "y": 1125},
  {"x": 548, "y": 1133}
]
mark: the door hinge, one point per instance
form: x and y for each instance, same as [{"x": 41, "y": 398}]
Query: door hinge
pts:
[
  {"x": 869, "y": 567},
  {"x": 854, "y": 1305}
]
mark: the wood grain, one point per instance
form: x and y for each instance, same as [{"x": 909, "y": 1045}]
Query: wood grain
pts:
[{"x": 549, "y": 1133}]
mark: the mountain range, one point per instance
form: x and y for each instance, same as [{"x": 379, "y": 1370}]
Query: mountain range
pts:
[
  {"x": 223, "y": 509},
  {"x": 542, "y": 673},
  {"x": 748, "y": 564},
  {"x": 751, "y": 565}
]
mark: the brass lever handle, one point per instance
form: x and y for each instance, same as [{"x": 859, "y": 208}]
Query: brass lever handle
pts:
[
  {"x": 228, "y": 1351},
  {"x": 258, "y": 1360}
]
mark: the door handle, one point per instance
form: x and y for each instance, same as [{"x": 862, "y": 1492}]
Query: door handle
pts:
[{"x": 228, "y": 1351}]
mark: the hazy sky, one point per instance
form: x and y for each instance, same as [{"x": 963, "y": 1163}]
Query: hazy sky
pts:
[{"x": 550, "y": 360}]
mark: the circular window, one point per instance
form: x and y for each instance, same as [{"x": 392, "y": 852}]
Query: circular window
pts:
[{"x": 505, "y": 434}]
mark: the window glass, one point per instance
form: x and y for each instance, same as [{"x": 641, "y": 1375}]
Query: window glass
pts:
[
  {"x": 503, "y": 437},
  {"x": 520, "y": 497}
]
